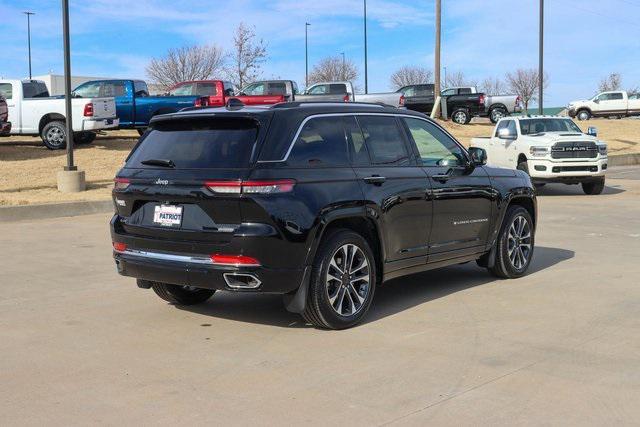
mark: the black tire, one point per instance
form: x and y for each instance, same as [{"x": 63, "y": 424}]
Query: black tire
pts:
[
  {"x": 319, "y": 310},
  {"x": 583, "y": 115},
  {"x": 504, "y": 266},
  {"x": 54, "y": 135},
  {"x": 82, "y": 138},
  {"x": 461, "y": 116},
  {"x": 181, "y": 295},
  {"x": 497, "y": 113},
  {"x": 593, "y": 188}
]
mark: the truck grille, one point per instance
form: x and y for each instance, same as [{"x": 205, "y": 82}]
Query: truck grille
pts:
[{"x": 574, "y": 150}]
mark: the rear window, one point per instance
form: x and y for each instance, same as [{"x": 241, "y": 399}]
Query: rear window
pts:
[
  {"x": 34, "y": 90},
  {"x": 198, "y": 144}
]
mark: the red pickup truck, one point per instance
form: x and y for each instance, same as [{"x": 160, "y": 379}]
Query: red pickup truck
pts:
[
  {"x": 5, "y": 124},
  {"x": 218, "y": 92}
]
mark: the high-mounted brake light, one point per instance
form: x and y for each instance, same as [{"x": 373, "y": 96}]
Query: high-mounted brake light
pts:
[
  {"x": 88, "y": 109},
  {"x": 235, "y": 260},
  {"x": 251, "y": 187},
  {"x": 119, "y": 246},
  {"x": 121, "y": 183}
]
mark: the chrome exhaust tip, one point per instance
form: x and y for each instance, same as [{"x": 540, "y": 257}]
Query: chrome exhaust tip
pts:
[{"x": 242, "y": 281}]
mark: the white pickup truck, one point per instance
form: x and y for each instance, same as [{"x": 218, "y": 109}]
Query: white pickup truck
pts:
[
  {"x": 616, "y": 103},
  {"x": 33, "y": 112},
  {"x": 549, "y": 149}
]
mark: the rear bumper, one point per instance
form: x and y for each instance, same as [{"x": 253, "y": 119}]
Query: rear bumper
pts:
[
  {"x": 5, "y": 128},
  {"x": 544, "y": 170},
  {"x": 99, "y": 124}
]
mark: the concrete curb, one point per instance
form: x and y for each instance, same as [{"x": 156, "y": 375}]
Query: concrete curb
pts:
[
  {"x": 624, "y": 159},
  {"x": 53, "y": 210}
]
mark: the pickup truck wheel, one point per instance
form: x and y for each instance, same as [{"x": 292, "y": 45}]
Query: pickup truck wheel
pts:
[
  {"x": 54, "y": 135},
  {"x": 497, "y": 113},
  {"x": 84, "y": 138},
  {"x": 461, "y": 116},
  {"x": 515, "y": 244},
  {"x": 584, "y": 115},
  {"x": 181, "y": 295},
  {"x": 342, "y": 283},
  {"x": 593, "y": 187}
]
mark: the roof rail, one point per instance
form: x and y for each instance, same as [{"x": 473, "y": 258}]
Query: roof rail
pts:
[{"x": 293, "y": 104}]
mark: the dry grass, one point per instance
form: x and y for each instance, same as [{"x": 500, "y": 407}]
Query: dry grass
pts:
[{"x": 28, "y": 169}]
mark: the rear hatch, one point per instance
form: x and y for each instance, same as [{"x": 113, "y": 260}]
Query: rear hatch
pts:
[{"x": 180, "y": 182}]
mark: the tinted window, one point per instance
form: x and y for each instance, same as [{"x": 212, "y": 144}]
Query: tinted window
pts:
[
  {"x": 337, "y": 89},
  {"x": 198, "y": 143},
  {"x": 384, "y": 140},
  {"x": 615, "y": 96},
  {"x": 6, "y": 90},
  {"x": 277, "y": 88},
  {"x": 436, "y": 148},
  {"x": 321, "y": 142},
  {"x": 207, "y": 89},
  {"x": 140, "y": 88},
  {"x": 356, "y": 144},
  {"x": 113, "y": 89},
  {"x": 34, "y": 90},
  {"x": 464, "y": 91}
]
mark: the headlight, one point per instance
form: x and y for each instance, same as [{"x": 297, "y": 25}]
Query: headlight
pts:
[
  {"x": 539, "y": 151},
  {"x": 602, "y": 149}
]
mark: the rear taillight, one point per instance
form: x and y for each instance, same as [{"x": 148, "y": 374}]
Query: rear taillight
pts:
[
  {"x": 346, "y": 98},
  {"x": 402, "y": 100},
  {"x": 251, "y": 187},
  {"x": 121, "y": 183},
  {"x": 481, "y": 100},
  {"x": 88, "y": 110},
  {"x": 235, "y": 260},
  {"x": 119, "y": 246}
]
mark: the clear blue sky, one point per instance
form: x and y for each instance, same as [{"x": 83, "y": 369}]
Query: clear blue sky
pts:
[{"x": 585, "y": 40}]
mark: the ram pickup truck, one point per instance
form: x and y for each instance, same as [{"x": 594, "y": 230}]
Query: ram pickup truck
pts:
[
  {"x": 134, "y": 106},
  {"x": 5, "y": 124},
  {"x": 34, "y": 112},
  {"x": 495, "y": 106},
  {"x": 218, "y": 92},
  {"x": 548, "y": 149},
  {"x": 617, "y": 103},
  {"x": 462, "y": 103}
]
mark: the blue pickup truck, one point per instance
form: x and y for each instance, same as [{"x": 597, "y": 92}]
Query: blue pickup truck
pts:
[{"x": 134, "y": 106}]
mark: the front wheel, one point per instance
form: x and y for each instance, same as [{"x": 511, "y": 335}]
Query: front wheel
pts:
[
  {"x": 181, "y": 295},
  {"x": 514, "y": 246},
  {"x": 343, "y": 282},
  {"x": 496, "y": 114},
  {"x": 584, "y": 115},
  {"x": 593, "y": 188}
]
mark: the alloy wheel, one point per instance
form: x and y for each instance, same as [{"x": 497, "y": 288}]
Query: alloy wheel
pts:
[
  {"x": 348, "y": 280},
  {"x": 460, "y": 118},
  {"x": 519, "y": 242},
  {"x": 55, "y": 136},
  {"x": 497, "y": 114}
]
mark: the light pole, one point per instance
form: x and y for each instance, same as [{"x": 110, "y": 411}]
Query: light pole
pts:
[
  {"x": 436, "y": 67},
  {"x": 306, "y": 55},
  {"x": 366, "y": 71},
  {"x": 343, "y": 73},
  {"x": 29, "y": 37},
  {"x": 540, "y": 56}
]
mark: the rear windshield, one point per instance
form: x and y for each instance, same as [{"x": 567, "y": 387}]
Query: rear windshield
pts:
[
  {"x": 34, "y": 90},
  {"x": 197, "y": 144}
]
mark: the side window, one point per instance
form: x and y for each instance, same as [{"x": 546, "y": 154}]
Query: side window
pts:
[
  {"x": 206, "y": 89},
  {"x": 318, "y": 90},
  {"x": 384, "y": 140},
  {"x": 255, "y": 89},
  {"x": 465, "y": 91},
  {"x": 631, "y": 96},
  {"x": 616, "y": 96},
  {"x": 6, "y": 90},
  {"x": 114, "y": 89},
  {"x": 229, "y": 89},
  {"x": 449, "y": 92},
  {"x": 511, "y": 125},
  {"x": 337, "y": 89},
  {"x": 355, "y": 141},
  {"x": 502, "y": 125},
  {"x": 88, "y": 90},
  {"x": 435, "y": 147},
  {"x": 277, "y": 89},
  {"x": 140, "y": 88},
  {"x": 182, "y": 90},
  {"x": 320, "y": 143}
]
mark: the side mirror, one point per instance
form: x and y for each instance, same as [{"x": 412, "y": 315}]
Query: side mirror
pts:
[
  {"x": 506, "y": 134},
  {"x": 597, "y": 101},
  {"x": 592, "y": 130},
  {"x": 478, "y": 156}
]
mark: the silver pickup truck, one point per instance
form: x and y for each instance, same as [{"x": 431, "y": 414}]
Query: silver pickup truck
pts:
[{"x": 496, "y": 106}]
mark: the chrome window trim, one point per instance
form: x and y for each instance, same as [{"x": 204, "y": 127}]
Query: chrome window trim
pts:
[{"x": 304, "y": 122}]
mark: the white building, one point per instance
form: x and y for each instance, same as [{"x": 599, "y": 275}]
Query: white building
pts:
[{"x": 55, "y": 82}]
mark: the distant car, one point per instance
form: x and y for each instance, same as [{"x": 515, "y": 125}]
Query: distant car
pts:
[
  {"x": 549, "y": 149},
  {"x": 616, "y": 103},
  {"x": 134, "y": 106},
  {"x": 218, "y": 92},
  {"x": 462, "y": 103},
  {"x": 5, "y": 124},
  {"x": 319, "y": 202},
  {"x": 34, "y": 112}
]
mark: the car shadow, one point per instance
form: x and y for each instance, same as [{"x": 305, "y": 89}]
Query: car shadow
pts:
[
  {"x": 393, "y": 297},
  {"x": 28, "y": 148},
  {"x": 575, "y": 190}
]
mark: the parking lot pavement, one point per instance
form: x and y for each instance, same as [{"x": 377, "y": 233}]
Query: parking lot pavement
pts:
[{"x": 81, "y": 345}]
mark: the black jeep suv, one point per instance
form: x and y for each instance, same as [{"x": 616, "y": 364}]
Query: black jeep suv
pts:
[{"x": 320, "y": 202}]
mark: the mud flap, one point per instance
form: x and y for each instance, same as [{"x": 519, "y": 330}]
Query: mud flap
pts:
[
  {"x": 488, "y": 260},
  {"x": 296, "y": 302}
]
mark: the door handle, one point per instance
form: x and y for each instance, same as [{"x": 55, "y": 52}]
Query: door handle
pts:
[
  {"x": 442, "y": 177},
  {"x": 375, "y": 179}
]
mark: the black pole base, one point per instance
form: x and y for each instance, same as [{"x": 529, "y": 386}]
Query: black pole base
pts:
[{"x": 70, "y": 168}]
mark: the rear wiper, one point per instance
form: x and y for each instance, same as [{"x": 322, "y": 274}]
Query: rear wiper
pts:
[{"x": 159, "y": 162}]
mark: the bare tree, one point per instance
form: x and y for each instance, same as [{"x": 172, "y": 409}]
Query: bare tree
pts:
[
  {"x": 612, "y": 82},
  {"x": 186, "y": 63},
  {"x": 333, "y": 69},
  {"x": 409, "y": 75},
  {"x": 456, "y": 79},
  {"x": 247, "y": 57},
  {"x": 492, "y": 86},
  {"x": 524, "y": 82}
]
